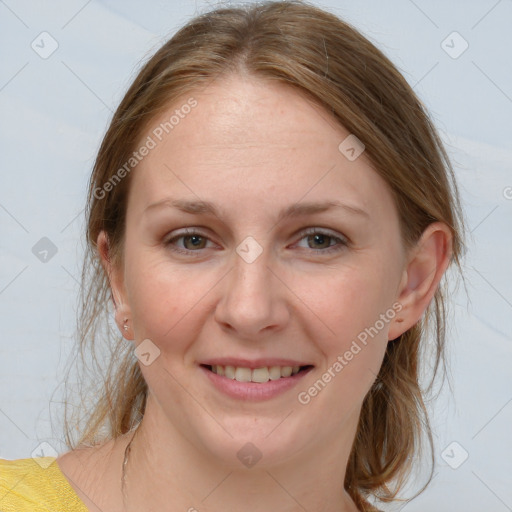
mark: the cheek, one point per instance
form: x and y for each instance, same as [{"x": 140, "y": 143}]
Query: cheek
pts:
[
  {"x": 165, "y": 302},
  {"x": 358, "y": 309},
  {"x": 353, "y": 302}
]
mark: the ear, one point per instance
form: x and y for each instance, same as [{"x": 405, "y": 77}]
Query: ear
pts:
[
  {"x": 116, "y": 281},
  {"x": 425, "y": 267}
]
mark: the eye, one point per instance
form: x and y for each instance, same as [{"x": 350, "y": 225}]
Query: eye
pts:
[
  {"x": 194, "y": 240},
  {"x": 323, "y": 238},
  {"x": 191, "y": 239}
]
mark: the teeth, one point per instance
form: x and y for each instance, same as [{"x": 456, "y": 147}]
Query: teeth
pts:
[
  {"x": 229, "y": 371},
  {"x": 275, "y": 372},
  {"x": 286, "y": 371},
  {"x": 260, "y": 375},
  {"x": 243, "y": 374}
]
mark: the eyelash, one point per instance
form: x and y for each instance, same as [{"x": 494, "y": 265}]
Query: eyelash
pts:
[{"x": 311, "y": 231}]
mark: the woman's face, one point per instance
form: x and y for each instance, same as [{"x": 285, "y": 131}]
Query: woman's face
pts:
[{"x": 251, "y": 287}]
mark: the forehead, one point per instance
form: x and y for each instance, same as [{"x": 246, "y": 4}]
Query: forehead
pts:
[{"x": 262, "y": 141}]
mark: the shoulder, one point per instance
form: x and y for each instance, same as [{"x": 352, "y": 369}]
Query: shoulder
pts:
[
  {"x": 34, "y": 485},
  {"x": 94, "y": 473}
]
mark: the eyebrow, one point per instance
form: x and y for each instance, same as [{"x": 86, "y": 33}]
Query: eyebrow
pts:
[{"x": 294, "y": 210}]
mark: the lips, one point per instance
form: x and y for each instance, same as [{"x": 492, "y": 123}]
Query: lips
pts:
[
  {"x": 254, "y": 382},
  {"x": 256, "y": 379}
]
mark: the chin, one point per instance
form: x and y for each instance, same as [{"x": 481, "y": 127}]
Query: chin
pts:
[{"x": 253, "y": 441}]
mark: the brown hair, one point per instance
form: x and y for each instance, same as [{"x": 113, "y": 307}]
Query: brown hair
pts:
[{"x": 333, "y": 64}]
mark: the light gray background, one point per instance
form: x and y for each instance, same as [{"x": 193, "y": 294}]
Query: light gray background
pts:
[{"x": 54, "y": 112}]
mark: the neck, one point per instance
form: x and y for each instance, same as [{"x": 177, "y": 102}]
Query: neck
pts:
[{"x": 163, "y": 470}]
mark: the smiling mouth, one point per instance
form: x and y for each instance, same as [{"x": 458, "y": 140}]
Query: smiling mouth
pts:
[{"x": 257, "y": 375}]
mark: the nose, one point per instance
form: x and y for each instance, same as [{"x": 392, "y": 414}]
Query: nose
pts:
[{"x": 253, "y": 299}]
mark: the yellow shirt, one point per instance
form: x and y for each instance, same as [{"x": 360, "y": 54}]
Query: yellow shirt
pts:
[
  {"x": 36, "y": 485},
  {"x": 30, "y": 486}
]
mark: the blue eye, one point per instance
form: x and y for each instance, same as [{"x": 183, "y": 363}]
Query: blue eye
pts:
[{"x": 196, "y": 241}]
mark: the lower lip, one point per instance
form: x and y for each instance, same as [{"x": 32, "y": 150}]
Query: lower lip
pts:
[{"x": 253, "y": 390}]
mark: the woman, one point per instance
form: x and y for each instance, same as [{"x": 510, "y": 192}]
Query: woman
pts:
[{"x": 271, "y": 212}]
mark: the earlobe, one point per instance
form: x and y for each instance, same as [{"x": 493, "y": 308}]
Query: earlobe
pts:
[
  {"x": 123, "y": 321},
  {"x": 426, "y": 265},
  {"x": 122, "y": 309}
]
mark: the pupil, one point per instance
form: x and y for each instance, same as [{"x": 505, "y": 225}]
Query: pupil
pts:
[
  {"x": 196, "y": 238},
  {"x": 319, "y": 238}
]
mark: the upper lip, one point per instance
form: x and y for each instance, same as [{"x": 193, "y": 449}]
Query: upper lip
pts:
[{"x": 252, "y": 363}]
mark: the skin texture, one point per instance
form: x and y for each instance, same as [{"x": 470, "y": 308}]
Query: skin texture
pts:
[{"x": 254, "y": 148}]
